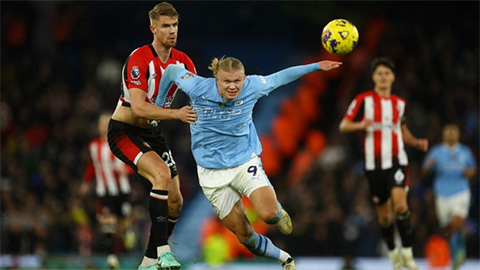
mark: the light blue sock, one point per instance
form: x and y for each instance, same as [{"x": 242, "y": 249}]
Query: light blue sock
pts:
[
  {"x": 454, "y": 244},
  {"x": 262, "y": 246}
]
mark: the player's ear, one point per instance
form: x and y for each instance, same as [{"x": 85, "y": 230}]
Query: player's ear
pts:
[{"x": 153, "y": 29}]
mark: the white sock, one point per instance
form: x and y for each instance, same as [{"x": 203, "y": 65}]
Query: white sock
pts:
[
  {"x": 283, "y": 256},
  {"x": 148, "y": 262},
  {"x": 163, "y": 249}
]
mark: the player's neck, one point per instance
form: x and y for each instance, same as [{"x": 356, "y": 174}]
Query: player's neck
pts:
[
  {"x": 162, "y": 51},
  {"x": 383, "y": 92},
  {"x": 451, "y": 145}
]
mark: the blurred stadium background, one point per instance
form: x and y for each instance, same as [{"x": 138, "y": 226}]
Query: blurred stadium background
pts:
[{"x": 60, "y": 66}]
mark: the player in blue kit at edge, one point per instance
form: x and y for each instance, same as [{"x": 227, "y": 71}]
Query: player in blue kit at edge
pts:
[
  {"x": 226, "y": 146},
  {"x": 452, "y": 164}
]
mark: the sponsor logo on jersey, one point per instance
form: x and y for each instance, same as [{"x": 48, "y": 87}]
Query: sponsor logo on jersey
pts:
[
  {"x": 136, "y": 82},
  {"x": 135, "y": 72},
  {"x": 187, "y": 75}
]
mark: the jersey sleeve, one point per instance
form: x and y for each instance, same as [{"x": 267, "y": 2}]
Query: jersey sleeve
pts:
[
  {"x": 354, "y": 108},
  {"x": 470, "y": 159},
  {"x": 189, "y": 65},
  {"x": 185, "y": 80},
  {"x": 430, "y": 156},
  {"x": 269, "y": 83},
  {"x": 135, "y": 73}
]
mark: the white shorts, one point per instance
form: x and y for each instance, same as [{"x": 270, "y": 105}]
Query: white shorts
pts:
[
  {"x": 448, "y": 207},
  {"x": 225, "y": 187}
]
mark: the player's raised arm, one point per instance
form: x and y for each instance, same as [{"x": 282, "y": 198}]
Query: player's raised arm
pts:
[{"x": 291, "y": 74}]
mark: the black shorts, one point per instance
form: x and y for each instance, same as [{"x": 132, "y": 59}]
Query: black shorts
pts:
[
  {"x": 381, "y": 182},
  {"x": 118, "y": 205},
  {"x": 129, "y": 143}
]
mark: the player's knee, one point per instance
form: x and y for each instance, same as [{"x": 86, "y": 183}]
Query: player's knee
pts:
[
  {"x": 175, "y": 204},
  {"x": 384, "y": 221},
  {"x": 268, "y": 214},
  {"x": 160, "y": 179},
  {"x": 400, "y": 208}
]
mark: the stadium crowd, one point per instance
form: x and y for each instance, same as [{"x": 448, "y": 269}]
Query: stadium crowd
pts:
[{"x": 56, "y": 80}]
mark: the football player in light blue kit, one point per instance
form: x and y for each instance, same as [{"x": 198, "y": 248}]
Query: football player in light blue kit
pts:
[
  {"x": 453, "y": 165},
  {"x": 226, "y": 146}
]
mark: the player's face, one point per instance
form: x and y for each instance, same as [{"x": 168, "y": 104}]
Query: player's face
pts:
[
  {"x": 230, "y": 84},
  {"x": 383, "y": 77},
  {"x": 165, "y": 30},
  {"x": 451, "y": 134}
]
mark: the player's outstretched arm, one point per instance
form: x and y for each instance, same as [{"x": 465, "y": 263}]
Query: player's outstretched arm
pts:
[
  {"x": 351, "y": 126},
  {"x": 327, "y": 65}
]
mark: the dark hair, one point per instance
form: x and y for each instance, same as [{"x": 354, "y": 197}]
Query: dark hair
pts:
[
  {"x": 382, "y": 61},
  {"x": 163, "y": 9}
]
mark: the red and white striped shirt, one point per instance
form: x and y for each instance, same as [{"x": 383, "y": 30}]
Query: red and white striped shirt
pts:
[
  {"x": 106, "y": 168},
  {"x": 143, "y": 69},
  {"x": 382, "y": 141}
]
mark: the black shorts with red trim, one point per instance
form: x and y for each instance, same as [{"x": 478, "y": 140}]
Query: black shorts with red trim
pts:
[
  {"x": 129, "y": 143},
  {"x": 381, "y": 182}
]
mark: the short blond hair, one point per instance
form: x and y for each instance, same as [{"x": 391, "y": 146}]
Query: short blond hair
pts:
[
  {"x": 225, "y": 64},
  {"x": 162, "y": 9}
]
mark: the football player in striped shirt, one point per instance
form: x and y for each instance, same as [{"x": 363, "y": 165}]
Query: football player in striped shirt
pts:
[
  {"x": 112, "y": 189},
  {"x": 226, "y": 146},
  {"x": 139, "y": 143},
  {"x": 452, "y": 164},
  {"x": 380, "y": 116}
]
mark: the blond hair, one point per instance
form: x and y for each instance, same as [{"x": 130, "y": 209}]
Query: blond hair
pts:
[
  {"x": 162, "y": 9},
  {"x": 228, "y": 64}
]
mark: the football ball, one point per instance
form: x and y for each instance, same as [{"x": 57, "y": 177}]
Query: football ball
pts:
[{"x": 339, "y": 37}]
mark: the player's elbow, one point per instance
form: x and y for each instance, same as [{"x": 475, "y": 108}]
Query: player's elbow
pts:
[
  {"x": 136, "y": 111},
  {"x": 342, "y": 127}
]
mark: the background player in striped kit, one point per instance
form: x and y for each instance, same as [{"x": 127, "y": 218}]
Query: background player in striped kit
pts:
[
  {"x": 112, "y": 189},
  {"x": 226, "y": 146},
  {"x": 452, "y": 164},
  {"x": 139, "y": 143},
  {"x": 380, "y": 116}
]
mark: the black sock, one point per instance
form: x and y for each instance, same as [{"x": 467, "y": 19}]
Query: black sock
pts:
[
  {"x": 172, "y": 221},
  {"x": 151, "y": 251},
  {"x": 159, "y": 215},
  {"x": 388, "y": 234},
  {"x": 108, "y": 243},
  {"x": 405, "y": 229}
]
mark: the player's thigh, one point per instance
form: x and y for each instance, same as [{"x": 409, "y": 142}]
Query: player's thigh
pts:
[
  {"x": 154, "y": 169},
  {"x": 223, "y": 199},
  {"x": 265, "y": 202},
  {"x": 399, "y": 200}
]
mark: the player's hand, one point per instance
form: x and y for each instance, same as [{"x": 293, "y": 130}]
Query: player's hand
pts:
[
  {"x": 327, "y": 65},
  {"x": 365, "y": 123},
  {"x": 187, "y": 115},
  {"x": 422, "y": 144}
]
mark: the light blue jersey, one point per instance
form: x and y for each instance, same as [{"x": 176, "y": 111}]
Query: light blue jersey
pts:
[
  {"x": 450, "y": 163},
  {"x": 224, "y": 135}
]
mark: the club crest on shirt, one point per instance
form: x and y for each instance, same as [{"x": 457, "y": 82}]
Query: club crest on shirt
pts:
[
  {"x": 135, "y": 72},
  {"x": 238, "y": 102},
  {"x": 187, "y": 75}
]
